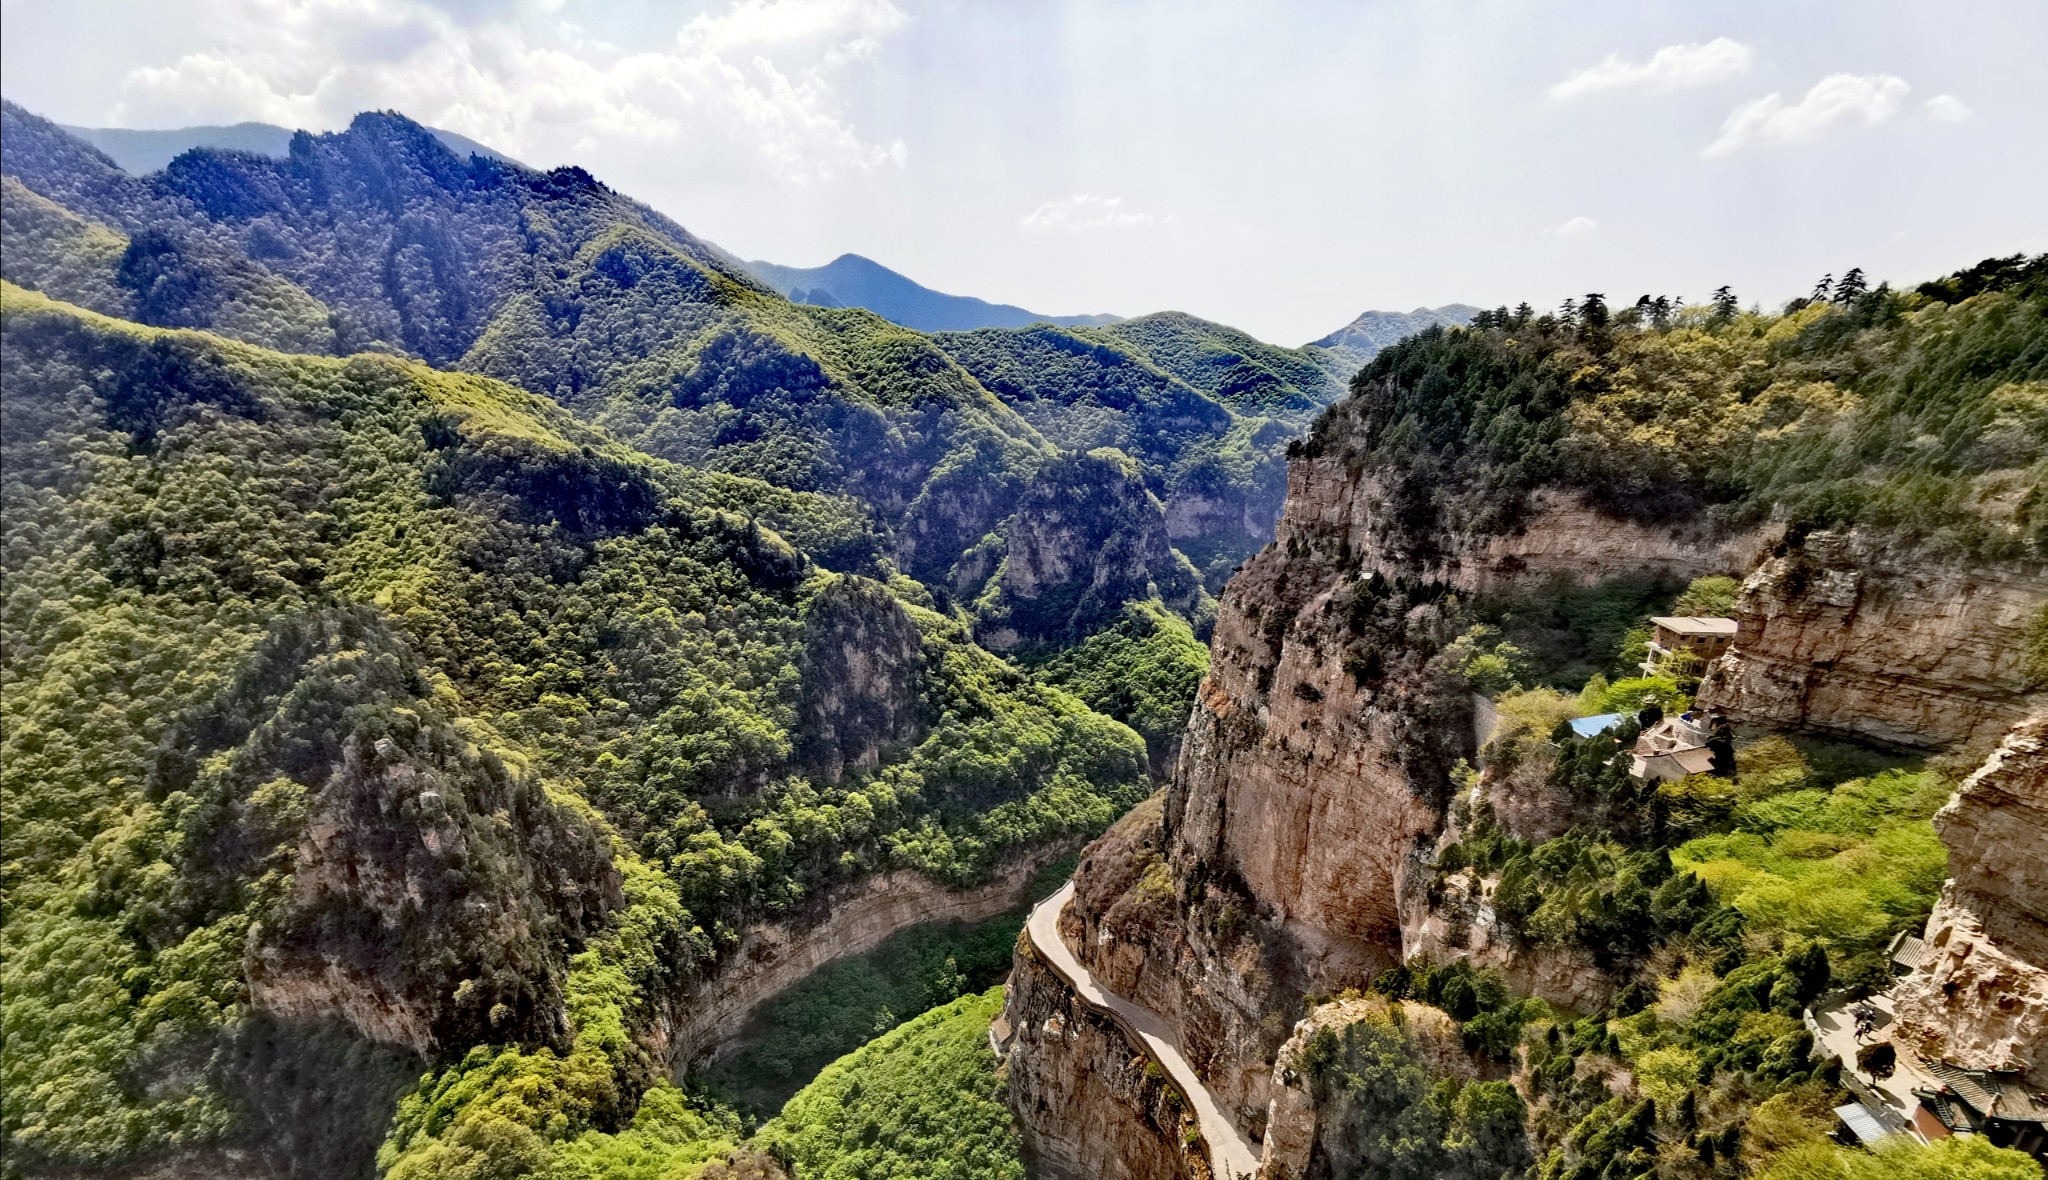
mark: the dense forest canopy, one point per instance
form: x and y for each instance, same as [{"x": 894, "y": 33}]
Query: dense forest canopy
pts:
[
  {"x": 551, "y": 691},
  {"x": 1920, "y": 412}
]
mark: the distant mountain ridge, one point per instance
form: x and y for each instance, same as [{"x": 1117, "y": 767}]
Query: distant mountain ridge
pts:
[
  {"x": 141, "y": 152},
  {"x": 1362, "y": 338},
  {"x": 853, "y": 281}
]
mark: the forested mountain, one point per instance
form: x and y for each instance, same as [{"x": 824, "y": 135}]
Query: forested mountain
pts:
[
  {"x": 1360, "y": 340},
  {"x": 380, "y": 238},
  {"x": 1206, "y": 410},
  {"x": 141, "y": 152},
  {"x": 423, "y": 717},
  {"x": 852, "y": 281}
]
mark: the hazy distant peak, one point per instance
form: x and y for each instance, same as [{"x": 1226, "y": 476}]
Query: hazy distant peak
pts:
[
  {"x": 140, "y": 152},
  {"x": 851, "y": 280},
  {"x": 1362, "y": 338}
]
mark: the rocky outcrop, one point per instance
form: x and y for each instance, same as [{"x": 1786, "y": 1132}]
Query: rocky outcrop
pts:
[
  {"x": 1092, "y": 1105},
  {"x": 862, "y": 671},
  {"x": 704, "y": 1021},
  {"x": 1980, "y": 999},
  {"x": 1850, "y": 635},
  {"x": 1293, "y": 854},
  {"x": 1461, "y": 924},
  {"x": 1087, "y": 538},
  {"x": 386, "y": 933},
  {"x": 1294, "y": 1119},
  {"x": 1291, "y": 851}
]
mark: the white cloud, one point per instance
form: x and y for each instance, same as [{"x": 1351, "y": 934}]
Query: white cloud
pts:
[
  {"x": 1674, "y": 67},
  {"x": 1839, "y": 100},
  {"x": 748, "y": 90},
  {"x": 1082, "y": 211},
  {"x": 757, "y": 23},
  {"x": 1947, "y": 108},
  {"x": 1573, "y": 227}
]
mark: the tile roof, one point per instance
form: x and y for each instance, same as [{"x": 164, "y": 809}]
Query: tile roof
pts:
[
  {"x": 1995, "y": 1095},
  {"x": 1909, "y": 950},
  {"x": 1862, "y": 1122}
]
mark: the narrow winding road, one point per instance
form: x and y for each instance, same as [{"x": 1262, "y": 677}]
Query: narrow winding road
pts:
[{"x": 1231, "y": 1155}]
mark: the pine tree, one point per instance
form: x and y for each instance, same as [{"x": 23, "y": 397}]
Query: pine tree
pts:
[
  {"x": 1820, "y": 289},
  {"x": 1852, "y": 286},
  {"x": 1725, "y": 304},
  {"x": 1593, "y": 311}
]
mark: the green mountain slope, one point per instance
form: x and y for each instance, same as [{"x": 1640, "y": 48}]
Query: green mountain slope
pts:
[
  {"x": 1919, "y": 413},
  {"x": 923, "y": 1100},
  {"x": 360, "y": 716},
  {"x": 1207, "y": 410},
  {"x": 381, "y": 238}
]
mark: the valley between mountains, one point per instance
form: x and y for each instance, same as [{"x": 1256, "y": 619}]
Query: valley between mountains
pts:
[{"x": 496, "y": 686}]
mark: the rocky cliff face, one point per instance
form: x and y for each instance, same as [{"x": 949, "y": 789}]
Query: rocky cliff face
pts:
[
  {"x": 1087, "y": 538},
  {"x": 863, "y": 662},
  {"x": 449, "y": 956},
  {"x": 1090, "y": 1107},
  {"x": 705, "y": 1020},
  {"x": 1294, "y": 839},
  {"x": 1981, "y": 999},
  {"x": 1843, "y": 633},
  {"x": 1295, "y": 1121},
  {"x": 1289, "y": 852}
]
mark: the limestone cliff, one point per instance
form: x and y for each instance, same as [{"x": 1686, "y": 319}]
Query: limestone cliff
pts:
[
  {"x": 1980, "y": 1000},
  {"x": 1090, "y": 1107},
  {"x": 1087, "y": 537},
  {"x": 1847, "y": 634},
  {"x": 705, "y": 1020},
  {"x": 1294, "y": 852},
  {"x": 863, "y": 664},
  {"x": 384, "y": 930}
]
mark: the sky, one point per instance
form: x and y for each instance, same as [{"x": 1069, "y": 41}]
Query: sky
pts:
[{"x": 1279, "y": 166}]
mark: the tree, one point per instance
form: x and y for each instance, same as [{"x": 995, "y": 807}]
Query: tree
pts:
[
  {"x": 1593, "y": 312},
  {"x": 1852, "y": 286},
  {"x": 1821, "y": 289},
  {"x": 1878, "y": 1060},
  {"x": 1726, "y": 306}
]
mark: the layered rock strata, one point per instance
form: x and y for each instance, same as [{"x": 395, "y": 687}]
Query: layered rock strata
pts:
[
  {"x": 705, "y": 1019},
  {"x": 1846, "y": 634},
  {"x": 1093, "y": 1106},
  {"x": 1980, "y": 998},
  {"x": 1295, "y": 841}
]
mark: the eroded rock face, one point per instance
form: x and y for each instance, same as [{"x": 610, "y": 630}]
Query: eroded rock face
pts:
[
  {"x": 1981, "y": 999},
  {"x": 863, "y": 664},
  {"x": 1291, "y": 855},
  {"x": 1294, "y": 1120},
  {"x": 1090, "y": 1108},
  {"x": 1845, "y": 634},
  {"x": 1462, "y": 925},
  {"x": 707, "y": 1019},
  {"x": 1087, "y": 538},
  {"x": 1291, "y": 849},
  {"x": 383, "y": 932}
]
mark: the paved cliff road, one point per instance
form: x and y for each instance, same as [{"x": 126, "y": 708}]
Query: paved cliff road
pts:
[{"x": 1231, "y": 1155}]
